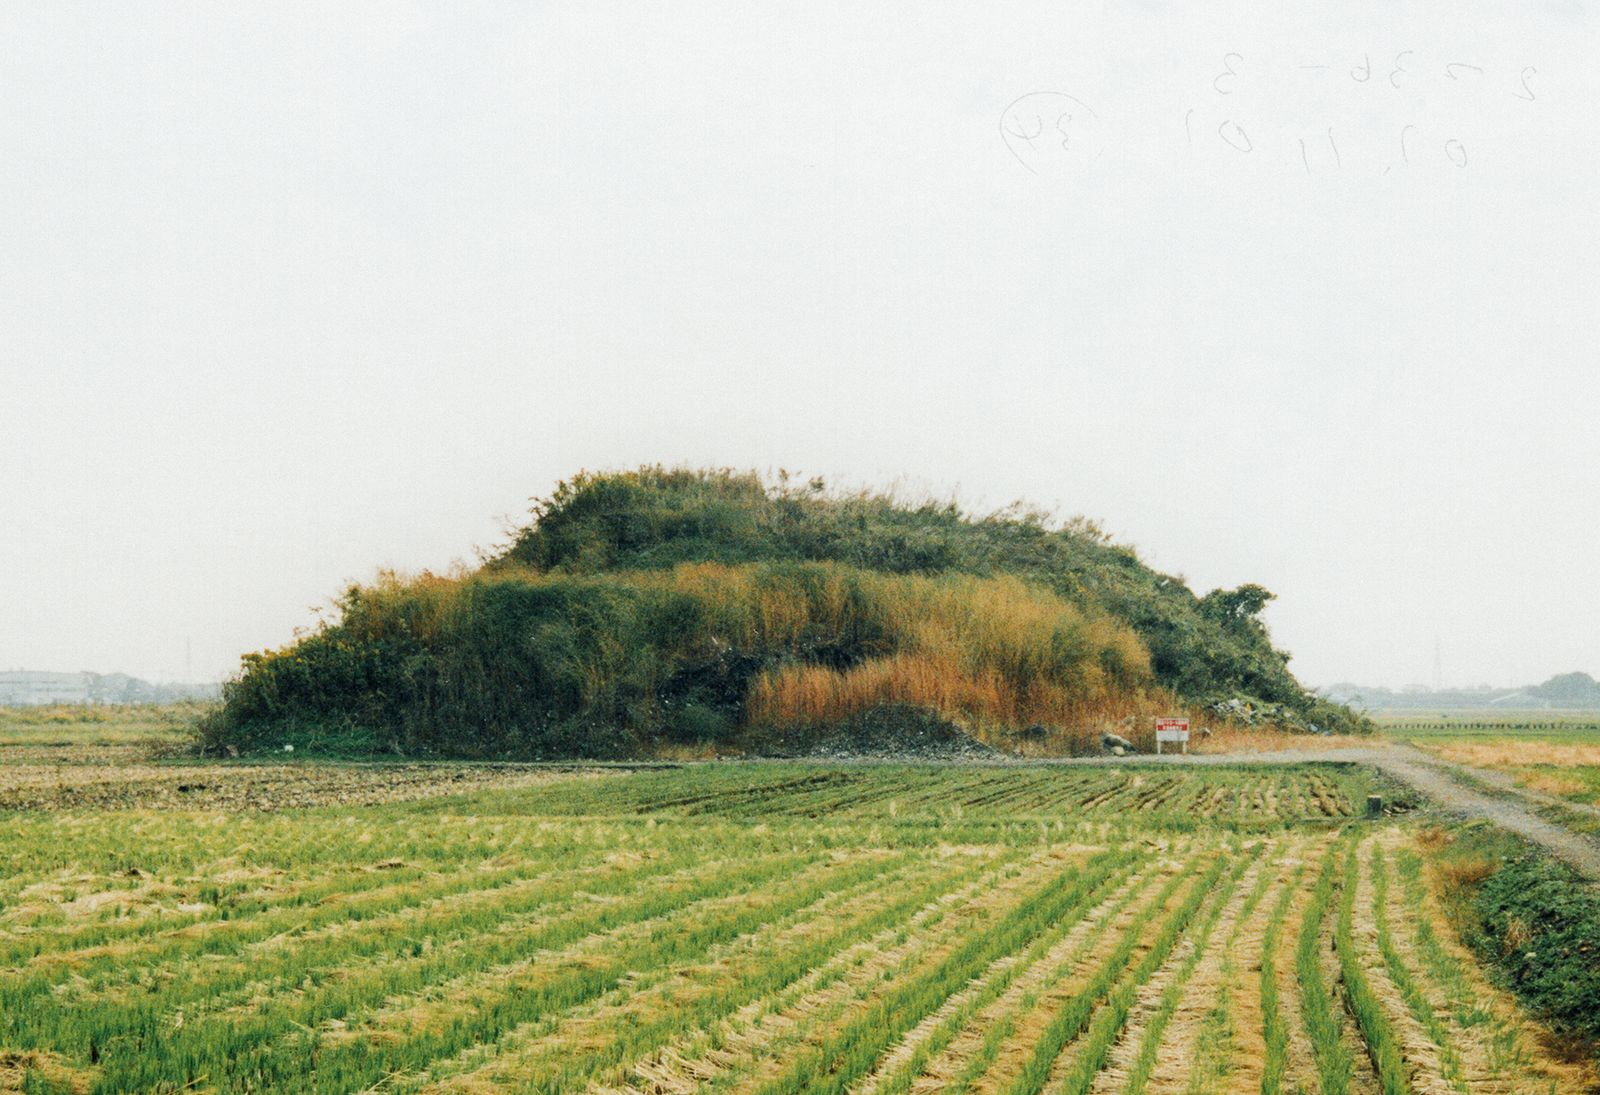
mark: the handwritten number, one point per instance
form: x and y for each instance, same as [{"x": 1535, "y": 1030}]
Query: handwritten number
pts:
[
  {"x": 1061, "y": 129},
  {"x": 1227, "y": 73},
  {"x": 1234, "y": 136},
  {"x": 1022, "y": 136},
  {"x": 1529, "y": 71},
  {"x": 1398, "y": 67}
]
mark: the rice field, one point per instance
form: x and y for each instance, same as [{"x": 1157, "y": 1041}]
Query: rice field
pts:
[
  {"x": 759, "y": 928},
  {"x": 1527, "y": 726},
  {"x": 98, "y": 725}
]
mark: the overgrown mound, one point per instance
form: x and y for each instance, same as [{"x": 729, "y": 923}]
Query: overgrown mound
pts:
[{"x": 656, "y": 609}]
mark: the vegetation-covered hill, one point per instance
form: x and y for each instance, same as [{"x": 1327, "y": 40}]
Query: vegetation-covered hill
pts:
[{"x": 660, "y": 608}]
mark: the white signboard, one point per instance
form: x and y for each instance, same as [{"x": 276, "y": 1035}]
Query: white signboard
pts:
[{"x": 1172, "y": 730}]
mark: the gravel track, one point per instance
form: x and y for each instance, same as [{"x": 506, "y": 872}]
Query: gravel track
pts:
[{"x": 1511, "y": 808}]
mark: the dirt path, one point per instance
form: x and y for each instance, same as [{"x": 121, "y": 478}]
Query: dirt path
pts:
[
  {"x": 1511, "y": 809},
  {"x": 1504, "y": 781}
]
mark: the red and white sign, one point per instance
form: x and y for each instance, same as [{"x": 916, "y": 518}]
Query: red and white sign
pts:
[{"x": 1173, "y": 730}]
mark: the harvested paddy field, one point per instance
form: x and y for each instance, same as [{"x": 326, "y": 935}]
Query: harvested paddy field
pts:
[
  {"x": 754, "y": 928},
  {"x": 127, "y": 779}
]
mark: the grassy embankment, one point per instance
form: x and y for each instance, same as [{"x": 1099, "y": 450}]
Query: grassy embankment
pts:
[{"x": 1530, "y": 917}]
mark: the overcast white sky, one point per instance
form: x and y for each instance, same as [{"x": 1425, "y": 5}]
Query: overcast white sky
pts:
[{"x": 291, "y": 291}]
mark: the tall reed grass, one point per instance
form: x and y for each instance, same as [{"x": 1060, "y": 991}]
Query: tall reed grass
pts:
[{"x": 521, "y": 662}]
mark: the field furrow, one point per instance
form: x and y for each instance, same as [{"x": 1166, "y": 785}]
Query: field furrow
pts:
[
  {"x": 689, "y": 1005},
  {"x": 1132, "y": 1057},
  {"x": 871, "y": 991},
  {"x": 1079, "y": 1063},
  {"x": 474, "y": 992},
  {"x": 949, "y": 1044},
  {"x": 1214, "y": 1035},
  {"x": 762, "y": 1029},
  {"x": 1430, "y": 1065},
  {"x": 766, "y": 929},
  {"x": 1005, "y": 1029}
]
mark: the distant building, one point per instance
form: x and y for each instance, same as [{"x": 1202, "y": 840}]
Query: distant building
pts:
[
  {"x": 33, "y": 688},
  {"x": 30, "y": 688},
  {"x": 1521, "y": 701}
]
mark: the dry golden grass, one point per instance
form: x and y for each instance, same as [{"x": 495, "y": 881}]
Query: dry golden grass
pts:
[
  {"x": 981, "y": 701},
  {"x": 1550, "y": 783},
  {"x": 1241, "y": 739},
  {"x": 991, "y": 627},
  {"x": 1517, "y": 935},
  {"x": 47, "y": 1067},
  {"x": 992, "y": 655},
  {"x": 685, "y": 752},
  {"x": 1456, "y": 874},
  {"x": 1433, "y": 837},
  {"x": 1510, "y": 752},
  {"x": 1002, "y": 623}
]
